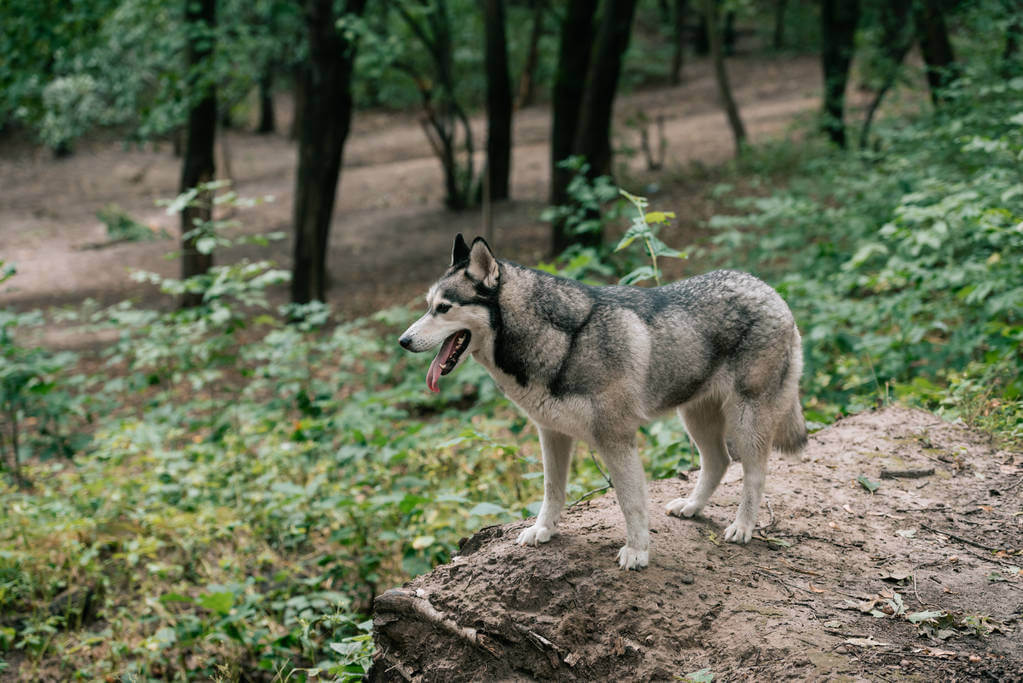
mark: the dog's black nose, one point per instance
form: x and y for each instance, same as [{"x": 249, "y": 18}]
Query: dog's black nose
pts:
[{"x": 405, "y": 342}]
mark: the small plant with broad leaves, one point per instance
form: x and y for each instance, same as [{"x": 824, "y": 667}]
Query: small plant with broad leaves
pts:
[{"x": 644, "y": 228}]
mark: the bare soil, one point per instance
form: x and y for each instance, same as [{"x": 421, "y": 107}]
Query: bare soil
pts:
[
  {"x": 794, "y": 604},
  {"x": 391, "y": 232}
]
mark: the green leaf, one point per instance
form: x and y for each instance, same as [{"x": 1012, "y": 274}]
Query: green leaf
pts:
[
  {"x": 175, "y": 597},
  {"x": 220, "y": 603},
  {"x": 867, "y": 484},
  {"x": 482, "y": 509},
  {"x": 701, "y": 676},
  {"x": 422, "y": 542},
  {"x": 638, "y": 275},
  {"x": 206, "y": 245},
  {"x": 917, "y": 617},
  {"x": 660, "y": 217}
]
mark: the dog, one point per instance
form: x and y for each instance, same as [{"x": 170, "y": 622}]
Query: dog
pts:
[{"x": 595, "y": 363}]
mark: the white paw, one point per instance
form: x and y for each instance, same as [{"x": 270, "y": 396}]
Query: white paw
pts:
[
  {"x": 739, "y": 533},
  {"x": 535, "y": 534},
  {"x": 630, "y": 558},
  {"x": 682, "y": 507}
]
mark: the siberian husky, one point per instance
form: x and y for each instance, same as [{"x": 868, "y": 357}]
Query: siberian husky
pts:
[{"x": 595, "y": 363}]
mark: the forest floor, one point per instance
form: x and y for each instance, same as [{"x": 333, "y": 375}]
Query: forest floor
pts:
[
  {"x": 918, "y": 580},
  {"x": 391, "y": 232}
]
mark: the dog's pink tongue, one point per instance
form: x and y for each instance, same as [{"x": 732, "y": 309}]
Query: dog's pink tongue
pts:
[{"x": 433, "y": 374}]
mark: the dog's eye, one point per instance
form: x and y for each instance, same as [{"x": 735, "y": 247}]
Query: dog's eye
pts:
[{"x": 442, "y": 309}]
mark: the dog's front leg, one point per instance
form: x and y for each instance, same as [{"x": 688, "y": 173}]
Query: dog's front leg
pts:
[
  {"x": 629, "y": 481},
  {"x": 557, "y": 455}
]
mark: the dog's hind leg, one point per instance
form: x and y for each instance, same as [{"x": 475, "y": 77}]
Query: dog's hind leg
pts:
[
  {"x": 705, "y": 423},
  {"x": 557, "y": 455},
  {"x": 750, "y": 430},
  {"x": 629, "y": 481}
]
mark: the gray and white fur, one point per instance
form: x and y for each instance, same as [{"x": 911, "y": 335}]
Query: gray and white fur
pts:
[{"x": 595, "y": 363}]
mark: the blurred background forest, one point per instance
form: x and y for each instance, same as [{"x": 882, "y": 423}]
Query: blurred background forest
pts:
[{"x": 216, "y": 216}]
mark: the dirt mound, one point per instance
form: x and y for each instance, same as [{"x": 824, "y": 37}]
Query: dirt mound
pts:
[{"x": 919, "y": 579}]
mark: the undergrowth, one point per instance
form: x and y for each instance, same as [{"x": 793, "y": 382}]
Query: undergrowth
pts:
[{"x": 222, "y": 494}]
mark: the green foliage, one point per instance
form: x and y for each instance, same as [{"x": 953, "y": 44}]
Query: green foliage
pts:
[
  {"x": 121, "y": 227},
  {"x": 903, "y": 264},
  {"x": 594, "y": 205},
  {"x": 643, "y": 228},
  {"x": 41, "y": 416},
  {"x": 248, "y": 489}
]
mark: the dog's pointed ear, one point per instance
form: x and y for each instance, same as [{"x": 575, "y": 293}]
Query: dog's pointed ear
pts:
[
  {"x": 460, "y": 252},
  {"x": 483, "y": 264}
]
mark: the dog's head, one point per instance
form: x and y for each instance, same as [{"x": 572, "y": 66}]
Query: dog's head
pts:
[{"x": 460, "y": 307}]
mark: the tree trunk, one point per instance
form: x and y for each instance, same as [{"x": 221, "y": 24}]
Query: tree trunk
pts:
[
  {"x": 678, "y": 47},
  {"x": 724, "y": 88},
  {"x": 298, "y": 102},
  {"x": 729, "y": 34},
  {"x": 701, "y": 44},
  {"x": 779, "y": 24},
  {"x": 499, "y": 102},
  {"x": 323, "y": 129},
  {"x": 838, "y": 30},
  {"x": 567, "y": 97},
  {"x": 527, "y": 81},
  {"x": 1013, "y": 36},
  {"x": 936, "y": 48},
  {"x": 896, "y": 42},
  {"x": 198, "y": 166},
  {"x": 267, "y": 120},
  {"x": 1010, "y": 55},
  {"x": 593, "y": 138}
]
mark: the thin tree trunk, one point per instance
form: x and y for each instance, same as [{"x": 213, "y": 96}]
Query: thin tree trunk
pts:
[
  {"x": 527, "y": 81},
  {"x": 577, "y": 32},
  {"x": 323, "y": 129},
  {"x": 12, "y": 416},
  {"x": 838, "y": 30},
  {"x": 896, "y": 42},
  {"x": 499, "y": 102},
  {"x": 267, "y": 119},
  {"x": 936, "y": 48},
  {"x": 779, "y": 24},
  {"x": 298, "y": 102},
  {"x": 198, "y": 166},
  {"x": 729, "y": 34},
  {"x": 678, "y": 46},
  {"x": 593, "y": 139},
  {"x": 724, "y": 88}
]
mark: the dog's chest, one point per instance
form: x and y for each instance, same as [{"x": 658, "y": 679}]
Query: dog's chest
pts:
[{"x": 572, "y": 415}]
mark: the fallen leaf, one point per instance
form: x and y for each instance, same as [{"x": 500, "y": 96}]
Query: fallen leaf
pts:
[
  {"x": 906, "y": 533},
  {"x": 815, "y": 589},
  {"x": 848, "y": 509},
  {"x": 701, "y": 676},
  {"x": 917, "y": 617},
  {"x": 896, "y": 575},
  {"x": 939, "y": 653},
  {"x": 865, "y": 642},
  {"x": 867, "y": 484}
]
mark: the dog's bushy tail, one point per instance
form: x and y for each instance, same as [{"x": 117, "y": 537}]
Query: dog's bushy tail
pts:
[
  {"x": 790, "y": 435},
  {"x": 790, "y": 432}
]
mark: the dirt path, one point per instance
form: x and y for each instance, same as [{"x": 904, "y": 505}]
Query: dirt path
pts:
[
  {"x": 390, "y": 228},
  {"x": 828, "y": 591}
]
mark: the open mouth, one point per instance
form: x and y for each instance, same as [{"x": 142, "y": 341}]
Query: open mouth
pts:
[{"x": 447, "y": 358}]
